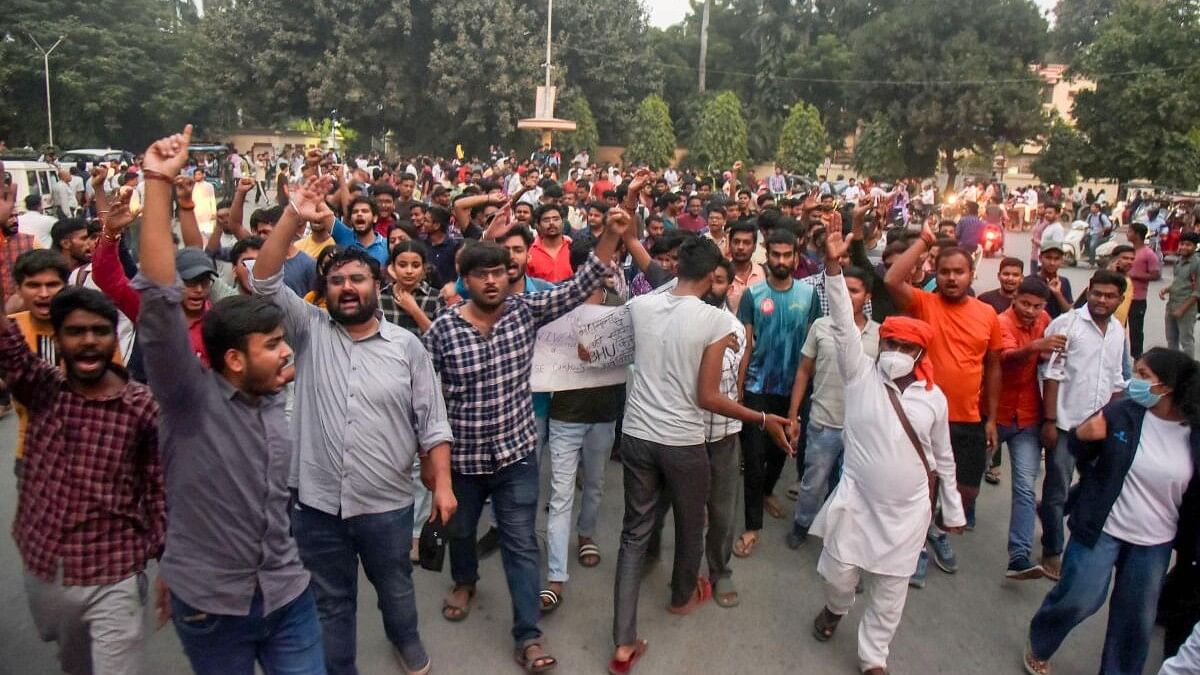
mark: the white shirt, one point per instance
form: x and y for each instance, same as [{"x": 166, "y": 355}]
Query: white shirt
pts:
[
  {"x": 1054, "y": 232},
  {"x": 1187, "y": 660},
  {"x": 205, "y": 198},
  {"x": 851, "y": 193},
  {"x": 1090, "y": 370},
  {"x": 1146, "y": 512},
  {"x": 37, "y": 225},
  {"x": 828, "y": 402},
  {"x": 670, "y": 334},
  {"x": 717, "y": 426},
  {"x": 64, "y": 198},
  {"x": 878, "y": 516}
]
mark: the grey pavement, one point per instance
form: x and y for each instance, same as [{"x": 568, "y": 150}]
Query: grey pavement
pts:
[{"x": 970, "y": 622}]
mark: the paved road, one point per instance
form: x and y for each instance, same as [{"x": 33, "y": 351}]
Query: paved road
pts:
[{"x": 971, "y": 622}]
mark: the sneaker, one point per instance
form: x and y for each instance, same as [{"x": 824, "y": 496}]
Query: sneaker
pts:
[
  {"x": 943, "y": 554},
  {"x": 1052, "y": 567},
  {"x": 917, "y": 580},
  {"x": 797, "y": 537},
  {"x": 1023, "y": 568}
]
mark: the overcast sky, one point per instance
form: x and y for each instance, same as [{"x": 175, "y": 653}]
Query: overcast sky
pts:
[{"x": 664, "y": 13}]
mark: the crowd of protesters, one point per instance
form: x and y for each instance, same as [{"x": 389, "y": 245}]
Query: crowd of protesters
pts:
[{"x": 262, "y": 404}]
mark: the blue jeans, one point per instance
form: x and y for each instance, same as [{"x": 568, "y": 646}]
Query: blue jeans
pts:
[
  {"x": 820, "y": 459},
  {"x": 284, "y": 642},
  {"x": 514, "y": 493},
  {"x": 331, "y": 547},
  {"x": 1086, "y": 573},
  {"x": 1060, "y": 469},
  {"x": 1025, "y": 451},
  {"x": 570, "y": 444}
]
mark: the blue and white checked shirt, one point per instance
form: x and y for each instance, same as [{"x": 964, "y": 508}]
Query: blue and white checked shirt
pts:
[{"x": 485, "y": 380}]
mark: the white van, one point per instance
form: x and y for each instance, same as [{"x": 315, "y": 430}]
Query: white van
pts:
[{"x": 30, "y": 177}]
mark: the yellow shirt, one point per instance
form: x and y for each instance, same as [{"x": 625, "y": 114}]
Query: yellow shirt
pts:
[
  {"x": 1122, "y": 310},
  {"x": 313, "y": 248}
]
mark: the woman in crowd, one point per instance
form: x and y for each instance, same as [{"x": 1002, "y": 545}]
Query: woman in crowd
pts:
[{"x": 1138, "y": 497}]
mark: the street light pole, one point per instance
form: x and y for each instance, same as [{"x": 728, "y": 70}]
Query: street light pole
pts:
[{"x": 46, "y": 65}]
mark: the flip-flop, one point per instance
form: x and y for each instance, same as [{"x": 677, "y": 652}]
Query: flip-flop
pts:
[
  {"x": 625, "y": 667},
  {"x": 825, "y": 624},
  {"x": 773, "y": 509},
  {"x": 549, "y": 600},
  {"x": 743, "y": 550},
  {"x": 589, "y": 555},
  {"x": 456, "y": 613},
  {"x": 702, "y": 595},
  {"x": 530, "y": 665},
  {"x": 725, "y": 593}
]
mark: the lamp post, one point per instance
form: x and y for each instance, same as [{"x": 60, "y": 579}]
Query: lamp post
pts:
[{"x": 46, "y": 64}]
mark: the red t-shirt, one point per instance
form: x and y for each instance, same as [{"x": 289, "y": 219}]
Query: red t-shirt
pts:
[{"x": 551, "y": 268}]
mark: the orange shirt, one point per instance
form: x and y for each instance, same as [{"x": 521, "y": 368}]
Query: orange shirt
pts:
[
  {"x": 963, "y": 333},
  {"x": 552, "y": 269},
  {"x": 1020, "y": 397}
]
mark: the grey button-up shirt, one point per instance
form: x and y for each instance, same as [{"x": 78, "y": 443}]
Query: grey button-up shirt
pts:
[
  {"x": 364, "y": 409},
  {"x": 225, "y": 460}
]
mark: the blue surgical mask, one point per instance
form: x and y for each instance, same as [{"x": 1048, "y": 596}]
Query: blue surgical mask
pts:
[{"x": 1139, "y": 391}]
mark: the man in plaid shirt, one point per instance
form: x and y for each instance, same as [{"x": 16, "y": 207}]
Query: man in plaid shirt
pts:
[
  {"x": 90, "y": 509},
  {"x": 483, "y": 350}
]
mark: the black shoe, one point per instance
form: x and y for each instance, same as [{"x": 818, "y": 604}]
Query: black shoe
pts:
[{"x": 488, "y": 543}]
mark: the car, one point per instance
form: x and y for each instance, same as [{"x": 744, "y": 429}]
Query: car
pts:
[
  {"x": 31, "y": 177},
  {"x": 92, "y": 156}
]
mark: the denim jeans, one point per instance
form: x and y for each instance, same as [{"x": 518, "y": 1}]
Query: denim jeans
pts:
[
  {"x": 1060, "y": 469},
  {"x": 514, "y": 493},
  {"x": 1025, "y": 451},
  {"x": 1086, "y": 573},
  {"x": 331, "y": 547},
  {"x": 284, "y": 642},
  {"x": 821, "y": 458},
  {"x": 570, "y": 444}
]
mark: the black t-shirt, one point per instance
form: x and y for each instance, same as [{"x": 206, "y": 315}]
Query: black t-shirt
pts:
[{"x": 997, "y": 300}]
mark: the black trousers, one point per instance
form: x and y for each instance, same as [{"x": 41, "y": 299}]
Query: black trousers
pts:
[
  {"x": 762, "y": 459},
  {"x": 1137, "y": 327}
]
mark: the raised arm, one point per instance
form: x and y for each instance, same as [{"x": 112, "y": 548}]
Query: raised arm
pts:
[
  {"x": 462, "y": 207},
  {"x": 107, "y": 271},
  {"x": 852, "y": 360},
  {"x": 237, "y": 208},
  {"x": 902, "y": 269},
  {"x": 162, "y": 163},
  {"x": 185, "y": 212}
]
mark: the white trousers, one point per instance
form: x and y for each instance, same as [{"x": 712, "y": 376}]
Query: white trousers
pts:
[{"x": 885, "y": 605}]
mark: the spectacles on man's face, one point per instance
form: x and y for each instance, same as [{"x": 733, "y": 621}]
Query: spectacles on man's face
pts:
[
  {"x": 341, "y": 279},
  {"x": 488, "y": 273}
]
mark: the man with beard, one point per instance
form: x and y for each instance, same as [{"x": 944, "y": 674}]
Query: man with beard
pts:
[
  {"x": 74, "y": 238},
  {"x": 743, "y": 241},
  {"x": 226, "y": 452},
  {"x": 550, "y": 255},
  {"x": 90, "y": 511},
  {"x": 693, "y": 220},
  {"x": 483, "y": 349},
  {"x": 355, "y": 493},
  {"x": 12, "y": 245},
  {"x": 361, "y": 234},
  {"x": 777, "y": 314},
  {"x": 595, "y": 221},
  {"x": 523, "y": 214}
]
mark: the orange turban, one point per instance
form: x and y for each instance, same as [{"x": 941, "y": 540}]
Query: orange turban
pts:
[{"x": 917, "y": 332}]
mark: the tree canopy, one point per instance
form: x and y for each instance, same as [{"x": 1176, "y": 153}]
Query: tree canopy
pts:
[
  {"x": 651, "y": 134},
  {"x": 802, "y": 141},
  {"x": 720, "y": 133}
]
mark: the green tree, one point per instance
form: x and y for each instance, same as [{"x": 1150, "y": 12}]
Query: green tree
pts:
[
  {"x": 1062, "y": 155},
  {"x": 1137, "y": 125},
  {"x": 951, "y": 76},
  {"x": 1077, "y": 23},
  {"x": 119, "y": 78},
  {"x": 585, "y": 136},
  {"x": 877, "y": 150},
  {"x": 720, "y": 133},
  {"x": 651, "y": 135},
  {"x": 802, "y": 141}
]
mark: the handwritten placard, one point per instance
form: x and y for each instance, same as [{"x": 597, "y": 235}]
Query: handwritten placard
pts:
[
  {"x": 609, "y": 339},
  {"x": 556, "y": 362}
]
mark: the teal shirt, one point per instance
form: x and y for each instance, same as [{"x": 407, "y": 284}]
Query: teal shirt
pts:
[{"x": 780, "y": 321}]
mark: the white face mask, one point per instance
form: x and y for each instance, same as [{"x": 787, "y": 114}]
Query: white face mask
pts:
[{"x": 894, "y": 364}]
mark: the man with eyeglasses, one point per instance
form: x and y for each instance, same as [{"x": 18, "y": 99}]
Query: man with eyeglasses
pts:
[{"x": 368, "y": 402}]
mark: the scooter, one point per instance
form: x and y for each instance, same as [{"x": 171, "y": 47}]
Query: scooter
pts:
[
  {"x": 992, "y": 241},
  {"x": 1074, "y": 243}
]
